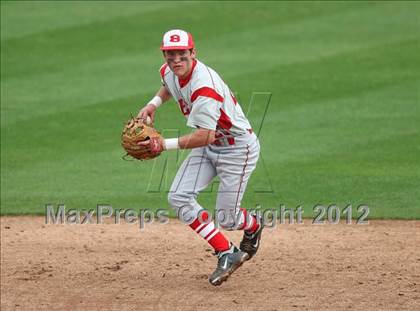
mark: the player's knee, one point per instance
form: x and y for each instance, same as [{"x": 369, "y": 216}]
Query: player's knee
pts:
[
  {"x": 185, "y": 206},
  {"x": 176, "y": 200},
  {"x": 173, "y": 199}
]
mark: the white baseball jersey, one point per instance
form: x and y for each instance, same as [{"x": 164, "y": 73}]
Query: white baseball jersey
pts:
[{"x": 207, "y": 102}]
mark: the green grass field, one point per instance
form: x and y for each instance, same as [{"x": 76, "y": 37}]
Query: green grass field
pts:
[{"x": 342, "y": 127}]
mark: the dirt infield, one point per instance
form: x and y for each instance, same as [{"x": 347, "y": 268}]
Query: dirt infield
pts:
[{"x": 165, "y": 267}]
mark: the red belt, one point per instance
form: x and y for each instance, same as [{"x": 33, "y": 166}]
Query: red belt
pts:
[{"x": 230, "y": 140}]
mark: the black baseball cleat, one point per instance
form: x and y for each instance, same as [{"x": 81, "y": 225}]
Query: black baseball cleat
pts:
[
  {"x": 251, "y": 241},
  {"x": 228, "y": 262}
]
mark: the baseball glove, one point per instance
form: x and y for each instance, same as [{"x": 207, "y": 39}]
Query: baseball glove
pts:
[{"x": 136, "y": 131}]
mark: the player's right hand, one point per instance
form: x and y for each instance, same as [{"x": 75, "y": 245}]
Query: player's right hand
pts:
[{"x": 147, "y": 111}]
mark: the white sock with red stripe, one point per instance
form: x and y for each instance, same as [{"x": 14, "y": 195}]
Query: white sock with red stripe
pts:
[
  {"x": 210, "y": 233},
  {"x": 250, "y": 223}
]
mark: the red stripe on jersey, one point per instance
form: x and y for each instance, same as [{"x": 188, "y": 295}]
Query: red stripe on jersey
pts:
[
  {"x": 163, "y": 69},
  {"x": 224, "y": 121},
  {"x": 206, "y": 92},
  {"x": 184, "y": 82}
]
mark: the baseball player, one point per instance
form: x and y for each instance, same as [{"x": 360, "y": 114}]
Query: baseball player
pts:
[{"x": 223, "y": 144}]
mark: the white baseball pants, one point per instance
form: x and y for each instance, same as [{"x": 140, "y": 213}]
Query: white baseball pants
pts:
[{"x": 232, "y": 163}]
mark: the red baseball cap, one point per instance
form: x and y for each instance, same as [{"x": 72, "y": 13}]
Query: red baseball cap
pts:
[{"x": 177, "y": 39}]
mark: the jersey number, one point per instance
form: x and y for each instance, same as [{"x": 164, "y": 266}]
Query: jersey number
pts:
[{"x": 175, "y": 38}]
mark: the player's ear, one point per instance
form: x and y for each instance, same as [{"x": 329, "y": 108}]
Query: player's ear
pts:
[{"x": 193, "y": 53}]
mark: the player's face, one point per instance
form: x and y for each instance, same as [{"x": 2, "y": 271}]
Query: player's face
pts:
[{"x": 180, "y": 61}]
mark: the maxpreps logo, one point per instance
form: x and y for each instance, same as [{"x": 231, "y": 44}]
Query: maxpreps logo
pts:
[{"x": 102, "y": 212}]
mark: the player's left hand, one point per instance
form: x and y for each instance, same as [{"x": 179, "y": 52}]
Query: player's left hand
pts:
[{"x": 156, "y": 144}]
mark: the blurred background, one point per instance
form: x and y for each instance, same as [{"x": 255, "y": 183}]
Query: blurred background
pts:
[{"x": 342, "y": 125}]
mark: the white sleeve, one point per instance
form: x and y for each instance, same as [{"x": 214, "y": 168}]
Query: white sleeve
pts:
[{"x": 205, "y": 113}]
